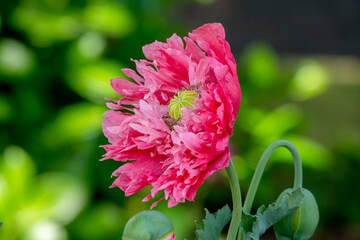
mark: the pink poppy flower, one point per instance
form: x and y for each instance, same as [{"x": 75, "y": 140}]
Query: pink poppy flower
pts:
[{"x": 175, "y": 118}]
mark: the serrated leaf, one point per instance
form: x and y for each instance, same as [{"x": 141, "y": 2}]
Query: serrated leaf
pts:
[
  {"x": 255, "y": 225},
  {"x": 211, "y": 227}
]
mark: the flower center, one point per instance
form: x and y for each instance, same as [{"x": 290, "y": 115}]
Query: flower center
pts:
[{"x": 184, "y": 98}]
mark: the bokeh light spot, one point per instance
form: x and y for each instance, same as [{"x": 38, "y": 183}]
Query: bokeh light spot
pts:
[
  {"x": 16, "y": 60},
  {"x": 46, "y": 230},
  {"x": 110, "y": 18},
  {"x": 310, "y": 80},
  {"x": 91, "y": 44},
  {"x": 91, "y": 80}
]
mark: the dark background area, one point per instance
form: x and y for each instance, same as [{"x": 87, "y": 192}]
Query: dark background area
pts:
[{"x": 326, "y": 27}]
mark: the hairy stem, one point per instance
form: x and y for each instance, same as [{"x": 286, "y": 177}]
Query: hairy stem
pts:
[
  {"x": 237, "y": 202},
  {"x": 261, "y": 166}
]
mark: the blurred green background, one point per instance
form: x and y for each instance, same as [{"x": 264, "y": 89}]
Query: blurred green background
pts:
[{"x": 56, "y": 60}]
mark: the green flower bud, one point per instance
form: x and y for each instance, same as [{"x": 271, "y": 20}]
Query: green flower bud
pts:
[
  {"x": 301, "y": 224},
  {"x": 149, "y": 225}
]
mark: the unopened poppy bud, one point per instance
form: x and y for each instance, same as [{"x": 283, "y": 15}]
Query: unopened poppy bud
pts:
[
  {"x": 152, "y": 225},
  {"x": 301, "y": 224}
]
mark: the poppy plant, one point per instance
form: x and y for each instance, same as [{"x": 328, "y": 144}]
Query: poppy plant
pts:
[{"x": 171, "y": 128}]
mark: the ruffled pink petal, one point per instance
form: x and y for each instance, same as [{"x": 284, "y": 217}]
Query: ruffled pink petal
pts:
[
  {"x": 111, "y": 125},
  {"x": 134, "y": 176},
  {"x": 133, "y": 75},
  {"x": 211, "y": 39},
  {"x": 126, "y": 88},
  {"x": 154, "y": 50},
  {"x": 193, "y": 50},
  {"x": 219, "y": 163},
  {"x": 198, "y": 73}
]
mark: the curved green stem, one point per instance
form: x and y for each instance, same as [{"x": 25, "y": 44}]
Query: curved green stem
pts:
[
  {"x": 237, "y": 202},
  {"x": 261, "y": 166}
]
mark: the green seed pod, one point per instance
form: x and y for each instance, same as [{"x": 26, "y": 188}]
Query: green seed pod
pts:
[
  {"x": 184, "y": 98},
  {"x": 301, "y": 224}
]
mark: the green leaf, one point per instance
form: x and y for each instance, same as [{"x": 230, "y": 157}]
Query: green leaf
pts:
[
  {"x": 210, "y": 228},
  {"x": 151, "y": 225},
  {"x": 255, "y": 225}
]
